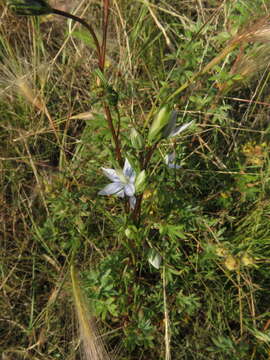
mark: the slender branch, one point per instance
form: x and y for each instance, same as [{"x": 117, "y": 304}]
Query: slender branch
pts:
[
  {"x": 106, "y": 13},
  {"x": 101, "y": 51},
  {"x": 86, "y": 25},
  {"x": 118, "y": 120},
  {"x": 137, "y": 210},
  {"x": 149, "y": 155},
  {"x": 144, "y": 163},
  {"x": 114, "y": 135}
]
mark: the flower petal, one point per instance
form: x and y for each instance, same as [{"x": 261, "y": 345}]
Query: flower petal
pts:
[
  {"x": 180, "y": 129},
  {"x": 173, "y": 166},
  {"x": 111, "y": 174},
  {"x": 132, "y": 202},
  {"x": 169, "y": 158},
  {"x": 129, "y": 189},
  {"x": 132, "y": 178},
  {"x": 169, "y": 161},
  {"x": 115, "y": 188},
  {"x": 128, "y": 171}
]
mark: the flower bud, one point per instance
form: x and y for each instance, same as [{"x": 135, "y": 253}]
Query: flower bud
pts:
[
  {"x": 159, "y": 123},
  {"x": 171, "y": 125},
  {"x": 131, "y": 232},
  {"x": 136, "y": 139},
  {"x": 30, "y": 7},
  {"x": 140, "y": 181},
  {"x": 154, "y": 258}
]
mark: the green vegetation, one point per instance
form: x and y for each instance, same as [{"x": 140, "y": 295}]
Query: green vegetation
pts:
[{"x": 135, "y": 180}]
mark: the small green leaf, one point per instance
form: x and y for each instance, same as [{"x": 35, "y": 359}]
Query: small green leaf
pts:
[{"x": 83, "y": 36}]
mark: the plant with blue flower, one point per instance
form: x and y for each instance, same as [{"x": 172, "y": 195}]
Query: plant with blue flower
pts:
[{"x": 123, "y": 183}]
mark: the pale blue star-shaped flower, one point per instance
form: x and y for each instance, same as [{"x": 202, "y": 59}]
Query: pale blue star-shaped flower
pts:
[
  {"x": 171, "y": 129},
  {"x": 123, "y": 183},
  {"x": 170, "y": 161}
]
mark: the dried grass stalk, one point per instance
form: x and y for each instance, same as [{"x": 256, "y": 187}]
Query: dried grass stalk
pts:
[{"x": 91, "y": 342}]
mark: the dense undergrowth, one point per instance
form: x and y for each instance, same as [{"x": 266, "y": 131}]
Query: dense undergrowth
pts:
[{"x": 203, "y": 224}]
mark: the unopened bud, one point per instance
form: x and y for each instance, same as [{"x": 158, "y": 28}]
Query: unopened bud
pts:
[
  {"x": 159, "y": 123},
  {"x": 170, "y": 125},
  {"x": 131, "y": 232},
  {"x": 140, "y": 182},
  {"x": 136, "y": 139},
  {"x": 154, "y": 258}
]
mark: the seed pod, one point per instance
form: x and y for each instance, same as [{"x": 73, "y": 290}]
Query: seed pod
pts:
[{"x": 30, "y": 7}]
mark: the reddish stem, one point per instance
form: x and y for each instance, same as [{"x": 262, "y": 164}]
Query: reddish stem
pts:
[
  {"x": 117, "y": 143},
  {"x": 115, "y": 137},
  {"x": 106, "y": 13},
  {"x": 101, "y": 52},
  {"x": 149, "y": 155}
]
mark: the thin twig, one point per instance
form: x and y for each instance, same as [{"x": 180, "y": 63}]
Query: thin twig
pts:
[{"x": 106, "y": 13}]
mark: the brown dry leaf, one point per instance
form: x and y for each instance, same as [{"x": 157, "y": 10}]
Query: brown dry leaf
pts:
[{"x": 88, "y": 115}]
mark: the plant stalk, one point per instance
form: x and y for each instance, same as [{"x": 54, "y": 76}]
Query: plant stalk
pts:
[{"x": 101, "y": 52}]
